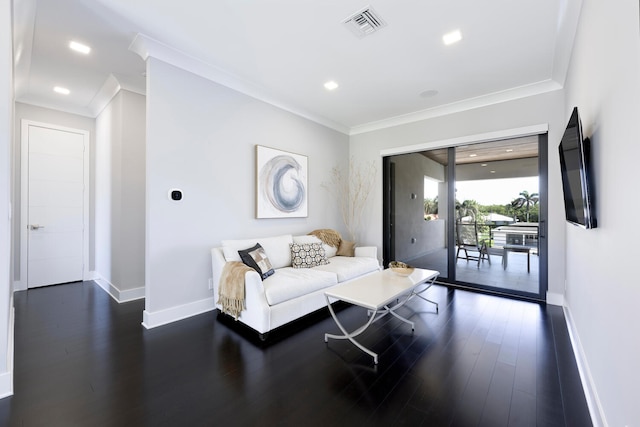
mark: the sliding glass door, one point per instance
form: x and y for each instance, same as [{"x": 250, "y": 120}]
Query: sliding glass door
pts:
[
  {"x": 476, "y": 213},
  {"x": 417, "y": 210}
]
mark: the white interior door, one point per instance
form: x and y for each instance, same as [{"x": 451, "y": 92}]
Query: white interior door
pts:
[{"x": 55, "y": 205}]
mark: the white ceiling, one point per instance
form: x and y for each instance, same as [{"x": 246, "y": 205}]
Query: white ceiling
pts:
[{"x": 287, "y": 49}]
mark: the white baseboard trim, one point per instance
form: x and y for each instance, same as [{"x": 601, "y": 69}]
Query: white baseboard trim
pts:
[
  {"x": 6, "y": 385},
  {"x": 6, "y": 378},
  {"x": 118, "y": 295},
  {"x": 18, "y": 285},
  {"x": 589, "y": 387},
  {"x": 158, "y": 318},
  {"x": 92, "y": 275},
  {"x": 132, "y": 294},
  {"x": 555, "y": 299}
]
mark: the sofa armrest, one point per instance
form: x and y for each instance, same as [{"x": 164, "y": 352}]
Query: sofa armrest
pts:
[
  {"x": 252, "y": 278},
  {"x": 367, "y": 251},
  {"x": 257, "y": 313}
]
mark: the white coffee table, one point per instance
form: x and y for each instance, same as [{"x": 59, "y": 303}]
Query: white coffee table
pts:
[{"x": 376, "y": 292}]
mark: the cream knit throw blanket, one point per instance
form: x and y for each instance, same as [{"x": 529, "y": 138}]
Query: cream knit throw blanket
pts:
[
  {"x": 328, "y": 236},
  {"x": 231, "y": 292}
]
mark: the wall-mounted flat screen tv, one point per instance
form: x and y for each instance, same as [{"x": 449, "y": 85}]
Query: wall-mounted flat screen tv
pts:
[{"x": 576, "y": 174}]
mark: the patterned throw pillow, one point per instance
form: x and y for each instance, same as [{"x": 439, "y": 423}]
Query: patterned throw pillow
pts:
[
  {"x": 307, "y": 255},
  {"x": 256, "y": 258}
]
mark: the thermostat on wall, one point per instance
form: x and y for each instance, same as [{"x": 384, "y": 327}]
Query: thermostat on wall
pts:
[{"x": 175, "y": 194}]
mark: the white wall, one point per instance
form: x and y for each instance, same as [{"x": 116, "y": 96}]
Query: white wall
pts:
[
  {"x": 201, "y": 138},
  {"x": 120, "y": 196},
  {"x": 46, "y": 115},
  {"x": 603, "y": 287},
  {"x": 536, "y": 110},
  {"x": 6, "y": 135}
]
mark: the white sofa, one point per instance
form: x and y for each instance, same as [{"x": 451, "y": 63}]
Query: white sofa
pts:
[{"x": 289, "y": 293}]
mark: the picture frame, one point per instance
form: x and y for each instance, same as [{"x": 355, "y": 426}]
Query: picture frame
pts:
[{"x": 281, "y": 184}]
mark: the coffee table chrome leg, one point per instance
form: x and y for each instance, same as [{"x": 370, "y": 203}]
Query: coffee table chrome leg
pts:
[
  {"x": 428, "y": 300},
  {"x": 349, "y": 336},
  {"x": 397, "y": 316},
  {"x": 418, "y": 294}
]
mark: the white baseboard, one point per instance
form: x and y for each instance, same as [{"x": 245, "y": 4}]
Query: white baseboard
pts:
[
  {"x": 19, "y": 285},
  {"x": 589, "y": 387},
  {"x": 555, "y": 299},
  {"x": 6, "y": 378},
  {"x": 6, "y": 385},
  {"x": 117, "y": 294},
  {"x": 173, "y": 314},
  {"x": 132, "y": 294},
  {"x": 92, "y": 275}
]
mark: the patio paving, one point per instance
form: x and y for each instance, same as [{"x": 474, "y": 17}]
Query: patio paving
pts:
[{"x": 515, "y": 277}]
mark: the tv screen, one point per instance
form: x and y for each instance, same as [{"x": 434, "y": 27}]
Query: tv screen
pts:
[{"x": 576, "y": 175}]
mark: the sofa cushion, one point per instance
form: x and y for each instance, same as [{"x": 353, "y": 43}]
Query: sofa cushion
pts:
[
  {"x": 276, "y": 248},
  {"x": 348, "y": 268},
  {"x": 256, "y": 258},
  {"x": 307, "y": 255},
  {"x": 289, "y": 283}
]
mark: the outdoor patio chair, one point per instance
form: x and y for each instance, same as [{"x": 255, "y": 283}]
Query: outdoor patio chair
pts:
[{"x": 467, "y": 241}]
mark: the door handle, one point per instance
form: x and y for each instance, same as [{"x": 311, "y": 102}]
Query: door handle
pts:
[{"x": 35, "y": 226}]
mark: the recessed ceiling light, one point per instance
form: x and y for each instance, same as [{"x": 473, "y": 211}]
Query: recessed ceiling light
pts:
[
  {"x": 61, "y": 90},
  {"x": 331, "y": 85},
  {"x": 483, "y": 165},
  {"x": 473, "y": 155},
  {"x": 428, "y": 93},
  {"x": 509, "y": 150},
  {"x": 452, "y": 37},
  {"x": 493, "y": 171},
  {"x": 79, "y": 47}
]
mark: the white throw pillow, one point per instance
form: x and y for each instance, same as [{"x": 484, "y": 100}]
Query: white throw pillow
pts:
[
  {"x": 329, "y": 251},
  {"x": 306, "y": 239}
]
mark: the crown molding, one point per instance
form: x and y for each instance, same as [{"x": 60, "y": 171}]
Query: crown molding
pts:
[
  {"x": 109, "y": 89},
  {"x": 24, "y": 17},
  {"x": 457, "y": 107},
  {"x": 147, "y": 47},
  {"x": 36, "y": 102},
  {"x": 565, "y": 37}
]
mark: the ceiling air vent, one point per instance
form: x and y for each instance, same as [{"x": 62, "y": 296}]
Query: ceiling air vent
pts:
[{"x": 364, "y": 22}]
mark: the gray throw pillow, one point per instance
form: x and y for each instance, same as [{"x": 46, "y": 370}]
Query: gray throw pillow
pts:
[{"x": 257, "y": 259}]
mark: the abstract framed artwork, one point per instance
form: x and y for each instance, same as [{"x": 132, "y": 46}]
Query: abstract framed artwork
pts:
[{"x": 281, "y": 187}]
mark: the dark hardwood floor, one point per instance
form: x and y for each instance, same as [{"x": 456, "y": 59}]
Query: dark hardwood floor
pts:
[{"x": 83, "y": 360}]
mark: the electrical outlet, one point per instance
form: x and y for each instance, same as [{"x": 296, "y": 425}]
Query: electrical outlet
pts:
[{"x": 210, "y": 283}]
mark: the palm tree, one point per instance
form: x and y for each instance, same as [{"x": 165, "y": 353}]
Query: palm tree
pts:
[
  {"x": 526, "y": 201},
  {"x": 466, "y": 208},
  {"x": 431, "y": 206}
]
